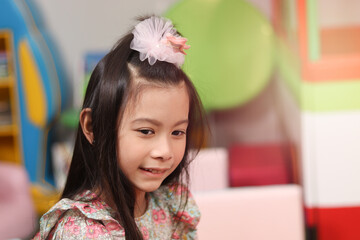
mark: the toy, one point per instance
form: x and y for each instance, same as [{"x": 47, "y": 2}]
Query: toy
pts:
[{"x": 36, "y": 95}]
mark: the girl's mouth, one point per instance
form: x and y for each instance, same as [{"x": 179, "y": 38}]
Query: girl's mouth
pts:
[{"x": 154, "y": 170}]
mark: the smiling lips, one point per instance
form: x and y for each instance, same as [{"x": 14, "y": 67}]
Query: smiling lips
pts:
[{"x": 155, "y": 170}]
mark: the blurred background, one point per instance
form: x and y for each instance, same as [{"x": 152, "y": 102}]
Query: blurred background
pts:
[{"x": 280, "y": 82}]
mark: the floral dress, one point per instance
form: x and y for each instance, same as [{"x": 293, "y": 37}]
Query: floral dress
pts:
[{"x": 88, "y": 217}]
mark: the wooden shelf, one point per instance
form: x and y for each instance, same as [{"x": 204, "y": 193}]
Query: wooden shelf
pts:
[
  {"x": 6, "y": 82},
  {"x": 8, "y": 130}
]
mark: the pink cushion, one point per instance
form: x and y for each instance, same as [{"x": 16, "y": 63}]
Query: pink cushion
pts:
[
  {"x": 251, "y": 213},
  {"x": 17, "y": 218},
  {"x": 209, "y": 170},
  {"x": 259, "y": 164}
]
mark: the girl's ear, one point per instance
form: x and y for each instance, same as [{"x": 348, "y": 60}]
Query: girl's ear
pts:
[{"x": 86, "y": 124}]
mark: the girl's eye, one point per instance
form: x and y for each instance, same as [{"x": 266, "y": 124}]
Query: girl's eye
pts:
[
  {"x": 178, "y": 133},
  {"x": 146, "y": 131}
]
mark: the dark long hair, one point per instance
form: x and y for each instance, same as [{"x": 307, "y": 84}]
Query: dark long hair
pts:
[{"x": 95, "y": 166}]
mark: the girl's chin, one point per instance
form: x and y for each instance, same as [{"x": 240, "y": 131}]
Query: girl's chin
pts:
[{"x": 148, "y": 189}]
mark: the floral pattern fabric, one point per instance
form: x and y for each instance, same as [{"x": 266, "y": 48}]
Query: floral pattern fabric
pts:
[{"x": 88, "y": 217}]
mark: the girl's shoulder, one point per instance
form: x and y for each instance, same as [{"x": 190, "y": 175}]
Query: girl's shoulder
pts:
[
  {"x": 86, "y": 216},
  {"x": 179, "y": 201}
]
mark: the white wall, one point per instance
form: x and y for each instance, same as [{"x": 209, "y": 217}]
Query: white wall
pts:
[
  {"x": 257, "y": 122},
  {"x": 81, "y": 26},
  {"x": 335, "y": 13}
]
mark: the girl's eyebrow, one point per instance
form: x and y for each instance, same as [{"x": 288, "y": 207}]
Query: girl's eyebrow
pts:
[
  {"x": 156, "y": 122},
  {"x": 181, "y": 122}
]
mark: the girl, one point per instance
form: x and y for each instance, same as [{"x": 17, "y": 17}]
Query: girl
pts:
[{"x": 140, "y": 118}]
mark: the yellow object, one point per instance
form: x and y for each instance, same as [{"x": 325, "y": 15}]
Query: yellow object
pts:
[
  {"x": 33, "y": 89},
  {"x": 44, "y": 198}
]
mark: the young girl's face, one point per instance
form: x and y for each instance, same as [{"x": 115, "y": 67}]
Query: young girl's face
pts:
[{"x": 152, "y": 135}]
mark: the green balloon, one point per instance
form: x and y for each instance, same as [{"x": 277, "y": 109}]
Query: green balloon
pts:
[{"x": 231, "y": 56}]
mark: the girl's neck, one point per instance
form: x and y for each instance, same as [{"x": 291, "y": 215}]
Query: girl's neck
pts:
[
  {"x": 140, "y": 206},
  {"x": 141, "y": 203}
]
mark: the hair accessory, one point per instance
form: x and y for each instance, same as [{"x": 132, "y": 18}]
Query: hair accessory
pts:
[{"x": 157, "y": 39}]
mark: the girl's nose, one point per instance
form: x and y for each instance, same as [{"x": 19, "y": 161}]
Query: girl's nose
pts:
[{"x": 162, "y": 149}]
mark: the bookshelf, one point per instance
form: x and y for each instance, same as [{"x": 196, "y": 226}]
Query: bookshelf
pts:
[{"x": 9, "y": 133}]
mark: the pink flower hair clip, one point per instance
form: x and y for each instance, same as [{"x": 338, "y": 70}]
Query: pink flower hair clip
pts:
[{"x": 155, "y": 38}]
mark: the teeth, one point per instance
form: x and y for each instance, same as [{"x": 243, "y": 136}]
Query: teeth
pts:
[{"x": 152, "y": 171}]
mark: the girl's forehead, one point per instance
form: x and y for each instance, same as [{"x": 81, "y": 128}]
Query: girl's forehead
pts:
[
  {"x": 141, "y": 86},
  {"x": 145, "y": 95}
]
